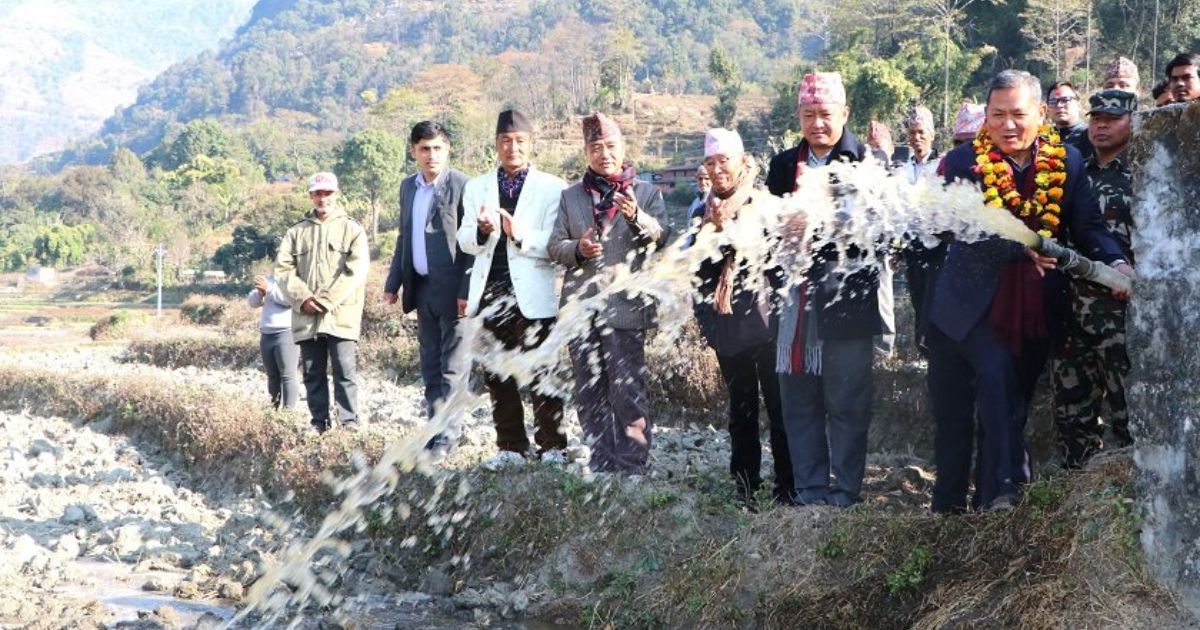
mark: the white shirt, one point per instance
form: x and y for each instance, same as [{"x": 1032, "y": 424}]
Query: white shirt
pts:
[
  {"x": 276, "y": 313},
  {"x": 916, "y": 169},
  {"x": 422, "y": 202}
]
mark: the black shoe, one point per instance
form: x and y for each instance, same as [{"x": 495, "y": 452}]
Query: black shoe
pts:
[
  {"x": 438, "y": 447},
  {"x": 320, "y": 425}
]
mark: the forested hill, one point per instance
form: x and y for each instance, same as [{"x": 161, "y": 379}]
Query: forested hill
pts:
[
  {"x": 205, "y": 162},
  {"x": 65, "y": 65},
  {"x": 328, "y": 61}
]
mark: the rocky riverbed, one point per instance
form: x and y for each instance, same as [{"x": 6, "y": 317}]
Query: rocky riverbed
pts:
[{"x": 100, "y": 529}]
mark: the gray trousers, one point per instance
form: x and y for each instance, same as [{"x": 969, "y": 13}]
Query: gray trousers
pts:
[
  {"x": 281, "y": 359},
  {"x": 438, "y": 337},
  {"x": 826, "y": 418},
  {"x": 316, "y": 354},
  {"x": 610, "y": 394}
]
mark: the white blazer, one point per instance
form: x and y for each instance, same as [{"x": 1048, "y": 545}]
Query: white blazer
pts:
[{"x": 533, "y": 220}]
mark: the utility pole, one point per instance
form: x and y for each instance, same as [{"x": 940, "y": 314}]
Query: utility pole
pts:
[
  {"x": 1154, "y": 49},
  {"x": 159, "y": 252}
]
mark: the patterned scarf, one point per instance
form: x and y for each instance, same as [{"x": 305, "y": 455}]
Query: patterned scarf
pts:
[
  {"x": 511, "y": 185},
  {"x": 798, "y": 348},
  {"x": 606, "y": 188}
]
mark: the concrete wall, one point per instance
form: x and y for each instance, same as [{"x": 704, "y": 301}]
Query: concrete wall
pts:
[{"x": 1164, "y": 344}]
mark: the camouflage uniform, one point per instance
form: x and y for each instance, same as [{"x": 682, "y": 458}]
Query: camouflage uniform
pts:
[{"x": 1090, "y": 366}]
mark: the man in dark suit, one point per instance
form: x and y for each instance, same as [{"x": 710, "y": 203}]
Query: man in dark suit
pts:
[
  {"x": 429, "y": 272},
  {"x": 995, "y": 306},
  {"x": 827, "y": 328},
  {"x": 608, "y": 219}
]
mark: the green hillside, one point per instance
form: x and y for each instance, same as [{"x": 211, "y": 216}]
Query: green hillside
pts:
[{"x": 205, "y": 160}]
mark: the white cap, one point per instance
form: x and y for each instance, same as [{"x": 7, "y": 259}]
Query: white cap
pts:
[
  {"x": 720, "y": 141},
  {"x": 323, "y": 181}
]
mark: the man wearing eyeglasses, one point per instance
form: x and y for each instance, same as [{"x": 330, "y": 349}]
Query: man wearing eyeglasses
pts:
[
  {"x": 1063, "y": 107},
  {"x": 1183, "y": 77}
]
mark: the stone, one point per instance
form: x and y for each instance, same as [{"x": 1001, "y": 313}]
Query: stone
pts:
[
  {"x": 1164, "y": 386},
  {"x": 156, "y": 584},
  {"x": 520, "y": 601},
  {"x": 72, "y": 515},
  {"x": 469, "y": 598},
  {"x": 67, "y": 546},
  {"x": 230, "y": 590},
  {"x": 188, "y": 589},
  {"x": 436, "y": 581},
  {"x": 42, "y": 446},
  {"x": 167, "y": 616},
  {"x": 413, "y": 598},
  {"x": 127, "y": 539},
  {"x": 46, "y": 480}
]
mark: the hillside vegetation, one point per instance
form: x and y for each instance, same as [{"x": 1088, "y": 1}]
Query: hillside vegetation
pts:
[{"x": 206, "y": 161}]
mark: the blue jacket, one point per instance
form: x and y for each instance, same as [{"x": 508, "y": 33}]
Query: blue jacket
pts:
[{"x": 965, "y": 284}]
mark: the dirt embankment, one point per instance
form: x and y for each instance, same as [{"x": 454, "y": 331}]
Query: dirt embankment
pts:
[{"x": 202, "y": 457}]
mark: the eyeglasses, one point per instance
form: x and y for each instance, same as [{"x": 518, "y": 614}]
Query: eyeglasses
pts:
[{"x": 1061, "y": 100}]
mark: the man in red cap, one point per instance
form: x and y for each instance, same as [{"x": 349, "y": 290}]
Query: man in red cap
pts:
[
  {"x": 825, "y": 347},
  {"x": 611, "y": 218}
]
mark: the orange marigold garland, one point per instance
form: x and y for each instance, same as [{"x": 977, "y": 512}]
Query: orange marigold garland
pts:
[{"x": 1000, "y": 188}]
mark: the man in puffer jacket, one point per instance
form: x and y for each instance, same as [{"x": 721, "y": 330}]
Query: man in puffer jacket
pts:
[{"x": 322, "y": 271}]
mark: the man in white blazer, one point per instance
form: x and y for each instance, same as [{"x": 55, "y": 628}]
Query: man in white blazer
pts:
[{"x": 507, "y": 219}]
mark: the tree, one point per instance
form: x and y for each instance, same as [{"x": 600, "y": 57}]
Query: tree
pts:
[
  {"x": 726, "y": 75},
  {"x": 623, "y": 51},
  {"x": 951, "y": 16},
  {"x": 370, "y": 168},
  {"x": 1057, "y": 31},
  {"x": 402, "y": 108},
  {"x": 205, "y": 137},
  {"x": 247, "y": 247},
  {"x": 60, "y": 245},
  {"x": 876, "y": 90}
]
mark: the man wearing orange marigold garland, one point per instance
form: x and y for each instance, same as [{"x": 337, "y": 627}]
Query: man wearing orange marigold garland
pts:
[{"x": 996, "y": 305}]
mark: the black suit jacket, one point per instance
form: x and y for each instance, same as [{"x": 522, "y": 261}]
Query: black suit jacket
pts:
[
  {"x": 447, "y": 207},
  {"x": 966, "y": 283},
  {"x": 849, "y": 310}
]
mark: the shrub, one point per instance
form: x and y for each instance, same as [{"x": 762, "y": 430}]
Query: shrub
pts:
[
  {"x": 204, "y": 310},
  {"x": 203, "y": 351},
  {"x": 115, "y": 326}
]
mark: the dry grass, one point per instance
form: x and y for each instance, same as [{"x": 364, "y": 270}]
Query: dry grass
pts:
[
  {"x": 672, "y": 553},
  {"x": 206, "y": 310},
  {"x": 684, "y": 380},
  {"x": 226, "y": 441},
  {"x": 204, "y": 350}
]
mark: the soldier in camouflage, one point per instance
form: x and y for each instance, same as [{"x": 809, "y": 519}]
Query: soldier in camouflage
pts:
[{"x": 1089, "y": 368}]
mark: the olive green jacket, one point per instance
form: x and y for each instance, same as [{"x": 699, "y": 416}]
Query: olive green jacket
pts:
[{"x": 326, "y": 260}]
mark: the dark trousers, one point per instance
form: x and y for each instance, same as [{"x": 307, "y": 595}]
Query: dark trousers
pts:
[
  {"x": 826, "y": 417},
  {"x": 610, "y": 395},
  {"x": 745, "y": 373},
  {"x": 281, "y": 360},
  {"x": 980, "y": 394},
  {"x": 341, "y": 354},
  {"x": 438, "y": 336},
  {"x": 513, "y": 330}
]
